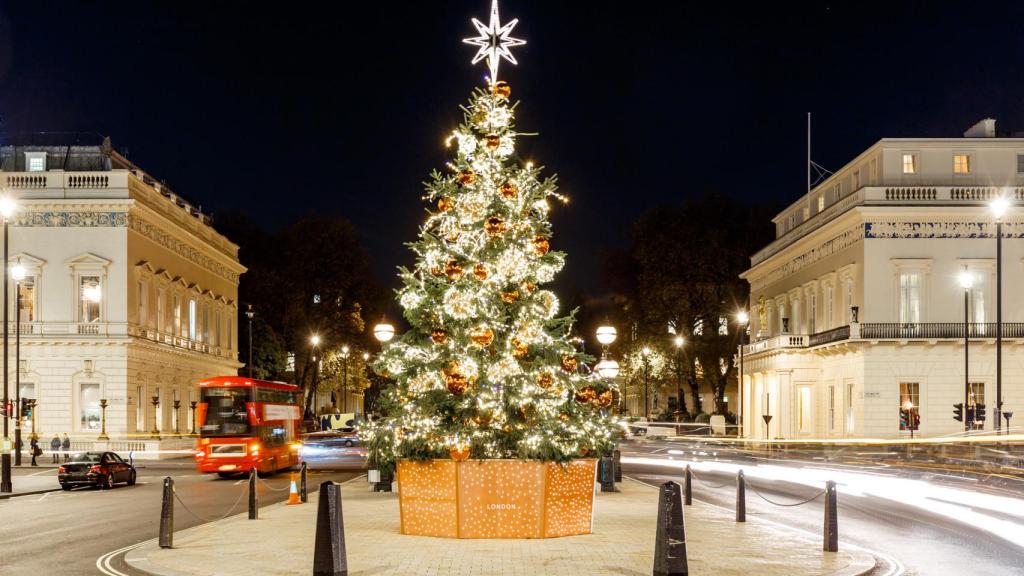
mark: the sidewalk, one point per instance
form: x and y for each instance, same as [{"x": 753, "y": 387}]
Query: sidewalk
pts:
[
  {"x": 43, "y": 479},
  {"x": 281, "y": 542}
]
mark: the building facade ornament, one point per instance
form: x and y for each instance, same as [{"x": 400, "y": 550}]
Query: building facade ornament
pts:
[
  {"x": 959, "y": 229},
  {"x": 183, "y": 249}
]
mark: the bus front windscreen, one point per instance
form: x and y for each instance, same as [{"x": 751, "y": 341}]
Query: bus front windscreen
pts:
[{"x": 225, "y": 412}]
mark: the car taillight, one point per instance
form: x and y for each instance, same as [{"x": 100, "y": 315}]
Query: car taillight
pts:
[
  {"x": 61, "y": 470},
  {"x": 96, "y": 469}
]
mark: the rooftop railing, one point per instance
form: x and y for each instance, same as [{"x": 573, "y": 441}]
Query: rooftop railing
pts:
[{"x": 874, "y": 331}]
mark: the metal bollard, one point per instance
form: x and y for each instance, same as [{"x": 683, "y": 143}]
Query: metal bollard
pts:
[
  {"x": 688, "y": 487},
  {"x": 606, "y": 474},
  {"x": 741, "y": 497},
  {"x": 303, "y": 495},
  {"x": 617, "y": 459},
  {"x": 254, "y": 504},
  {"x": 670, "y": 542},
  {"x": 329, "y": 556},
  {"x": 831, "y": 517},
  {"x": 384, "y": 484},
  {"x": 167, "y": 515}
]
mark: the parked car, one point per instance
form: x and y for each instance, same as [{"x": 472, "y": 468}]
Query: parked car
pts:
[
  {"x": 332, "y": 439},
  {"x": 102, "y": 469}
]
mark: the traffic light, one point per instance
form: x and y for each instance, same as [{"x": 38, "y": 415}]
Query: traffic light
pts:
[
  {"x": 958, "y": 411},
  {"x": 979, "y": 412},
  {"x": 26, "y": 408}
]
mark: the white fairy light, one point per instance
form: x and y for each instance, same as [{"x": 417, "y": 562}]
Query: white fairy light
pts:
[{"x": 494, "y": 41}]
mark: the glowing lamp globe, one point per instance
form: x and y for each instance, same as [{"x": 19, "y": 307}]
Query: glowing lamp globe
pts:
[
  {"x": 18, "y": 272},
  {"x": 606, "y": 334},
  {"x": 7, "y": 206},
  {"x": 742, "y": 317},
  {"x": 999, "y": 207},
  {"x": 966, "y": 280},
  {"x": 314, "y": 340},
  {"x": 384, "y": 332},
  {"x": 679, "y": 341},
  {"x": 608, "y": 368}
]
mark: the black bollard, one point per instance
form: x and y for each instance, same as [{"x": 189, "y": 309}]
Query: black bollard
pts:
[
  {"x": 688, "y": 487},
  {"x": 303, "y": 495},
  {"x": 254, "y": 504},
  {"x": 606, "y": 474},
  {"x": 329, "y": 557},
  {"x": 670, "y": 542},
  {"x": 831, "y": 518},
  {"x": 741, "y": 497},
  {"x": 167, "y": 515},
  {"x": 617, "y": 459},
  {"x": 384, "y": 484}
]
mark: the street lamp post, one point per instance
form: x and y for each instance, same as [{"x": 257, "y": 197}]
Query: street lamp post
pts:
[
  {"x": 18, "y": 273},
  {"x": 999, "y": 206},
  {"x": 155, "y": 400},
  {"x": 103, "y": 420},
  {"x": 743, "y": 319},
  {"x": 383, "y": 332},
  {"x": 911, "y": 421},
  {"x": 249, "y": 314},
  {"x": 646, "y": 353},
  {"x": 966, "y": 282},
  {"x": 608, "y": 368},
  {"x": 7, "y": 207},
  {"x": 177, "y": 414},
  {"x": 344, "y": 379},
  {"x": 315, "y": 341},
  {"x": 679, "y": 341},
  {"x": 192, "y": 405}
]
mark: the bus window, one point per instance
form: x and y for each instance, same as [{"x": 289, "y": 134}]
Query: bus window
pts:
[{"x": 226, "y": 412}]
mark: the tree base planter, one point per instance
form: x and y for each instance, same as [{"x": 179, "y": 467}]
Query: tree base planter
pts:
[{"x": 496, "y": 498}]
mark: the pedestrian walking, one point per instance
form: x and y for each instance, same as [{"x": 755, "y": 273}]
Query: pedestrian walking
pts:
[
  {"x": 66, "y": 447},
  {"x": 36, "y": 450},
  {"x": 55, "y": 448}
]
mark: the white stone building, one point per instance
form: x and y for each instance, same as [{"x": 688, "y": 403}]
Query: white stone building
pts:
[
  {"x": 130, "y": 295},
  {"x": 888, "y": 235}
]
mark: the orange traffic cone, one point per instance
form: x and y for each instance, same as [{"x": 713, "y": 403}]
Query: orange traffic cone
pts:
[{"x": 293, "y": 493}]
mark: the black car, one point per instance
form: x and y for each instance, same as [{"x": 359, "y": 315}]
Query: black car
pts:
[{"x": 103, "y": 469}]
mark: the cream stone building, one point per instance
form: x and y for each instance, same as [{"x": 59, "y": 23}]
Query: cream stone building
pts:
[
  {"x": 857, "y": 314},
  {"x": 130, "y": 296}
]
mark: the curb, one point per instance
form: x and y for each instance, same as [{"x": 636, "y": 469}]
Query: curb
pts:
[{"x": 30, "y": 493}]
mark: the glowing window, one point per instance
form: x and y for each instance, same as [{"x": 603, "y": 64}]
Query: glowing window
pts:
[
  {"x": 961, "y": 164},
  {"x": 909, "y": 164}
]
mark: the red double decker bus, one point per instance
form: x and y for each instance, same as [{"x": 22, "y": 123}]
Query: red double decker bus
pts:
[{"x": 246, "y": 423}]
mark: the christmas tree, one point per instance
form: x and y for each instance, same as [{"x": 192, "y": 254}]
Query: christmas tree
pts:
[{"x": 488, "y": 369}]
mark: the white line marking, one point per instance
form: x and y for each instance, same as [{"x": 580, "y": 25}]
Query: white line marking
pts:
[
  {"x": 43, "y": 497},
  {"x": 42, "y": 472},
  {"x": 239, "y": 482},
  {"x": 103, "y": 563}
]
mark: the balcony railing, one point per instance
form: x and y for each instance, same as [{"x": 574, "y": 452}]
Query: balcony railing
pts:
[
  {"x": 937, "y": 330},
  {"x": 834, "y": 335}
]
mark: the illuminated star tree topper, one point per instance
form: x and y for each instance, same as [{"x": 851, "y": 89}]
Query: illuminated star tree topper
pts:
[{"x": 494, "y": 41}]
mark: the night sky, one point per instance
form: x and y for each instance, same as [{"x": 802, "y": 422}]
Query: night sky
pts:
[{"x": 280, "y": 108}]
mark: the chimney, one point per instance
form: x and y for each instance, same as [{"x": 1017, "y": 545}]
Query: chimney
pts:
[{"x": 984, "y": 129}]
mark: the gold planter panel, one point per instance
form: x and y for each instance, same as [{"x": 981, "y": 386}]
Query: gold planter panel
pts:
[{"x": 496, "y": 498}]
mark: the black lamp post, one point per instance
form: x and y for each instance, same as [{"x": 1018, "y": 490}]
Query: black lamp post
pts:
[
  {"x": 18, "y": 272},
  {"x": 6, "y": 210},
  {"x": 249, "y": 314},
  {"x": 966, "y": 282},
  {"x": 743, "y": 319},
  {"x": 344, "y": 379},
  {"x": 645, "y": 353},
  {"x": 999, "y": 206}
]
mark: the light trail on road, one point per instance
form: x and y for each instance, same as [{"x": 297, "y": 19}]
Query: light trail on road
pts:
[{"x": 953, "y": 503}]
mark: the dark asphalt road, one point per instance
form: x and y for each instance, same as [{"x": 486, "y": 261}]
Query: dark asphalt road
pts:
[
  {"x": 66, "y": 532},
  {"x": 925, "y": 543}
]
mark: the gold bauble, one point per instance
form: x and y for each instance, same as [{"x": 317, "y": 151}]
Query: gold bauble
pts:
[
  {"x": 569, "y": 363},
  {"x": 586, "y": 395},
  {"x": 519, "y": 349},
  {"x": 445, "y": 204},
  {"x": 530, "y": 287},
  {"x": 438, "y": 336},
  {"x": 509, "y": 190},
  {"x": 436, "y": 271},
  {"x": 480, "y": 271},
  {"x": 482, "y": 337},
  {"x": 545, "y": 379},
  {"x": 480, "y": 116},
  {"x": 540, "y": 246},
  {"x": 495, "y": 226},
  {"x": 502, "y": 89},
  {"x": 466, "y": 177},
  {"x": 564, "y": 416},
  {"x": 510, "y": 297},
  {"x": 453, "y": 377},
  {"x": 459, "y": 453},
  {"x": 452, "y": 270},
  {"x": 492, "y": 141},
  {"x": 604, "y": 399}
]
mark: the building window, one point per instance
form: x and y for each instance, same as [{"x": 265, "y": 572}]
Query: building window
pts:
[
  {"x": 961, "y": 164},
  {"x": 849, "y": 300},
  {"x": 27, "y": 299},
  {"x": 782, "y": 319},
  {"x": 910, "y": 164},
  {"x": 807, "y": 213},
  {"x": 1020, "y": 163},
  {"x": 977, "y": 299},
  {"x": 206, "y": 323},
  {"x": 90, "y": 293},
  {"x": 804, "y": 409},
  {"x": 975, "y": 396},
  {"x": 231, "y": 330},
  {"x": 143, "y": 298},
  {"x": 849, "y": 408},
  {"x": 89, "y": 406},
  {"x": 837, "y": 191},
  {"x": 856, "y": 179},
  {"x": 191, "y": 319},
  {"x": 160, "y": 309},
  {"x": 910, "y": 406},
  {"x": 176, "y": 310},
  {"x": 812, "y": 312},
  {"x": 794, "y": 320},
  {"x": 829, "y": 305},
  {"x": 35, "y": 161},
  {"x": 831, "y": 408},
  {"x": 910, "y": 297},
  {"x": 158, "y": 415},
  {"x": 821, "y": 203},
  {"x": 140, "y": 409}
]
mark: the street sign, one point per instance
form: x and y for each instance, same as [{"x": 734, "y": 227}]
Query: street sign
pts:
[
  {"x": 7, "y": 446},
  {"x": 767, "y": 418}
]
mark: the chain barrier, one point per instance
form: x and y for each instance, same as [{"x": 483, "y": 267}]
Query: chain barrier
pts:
[
  {"x": 708, "y": 484},
  {"x": 204, "y": 518},
  {"x": 269, "y": 487},
  {"x": 770, "y": 501}
]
